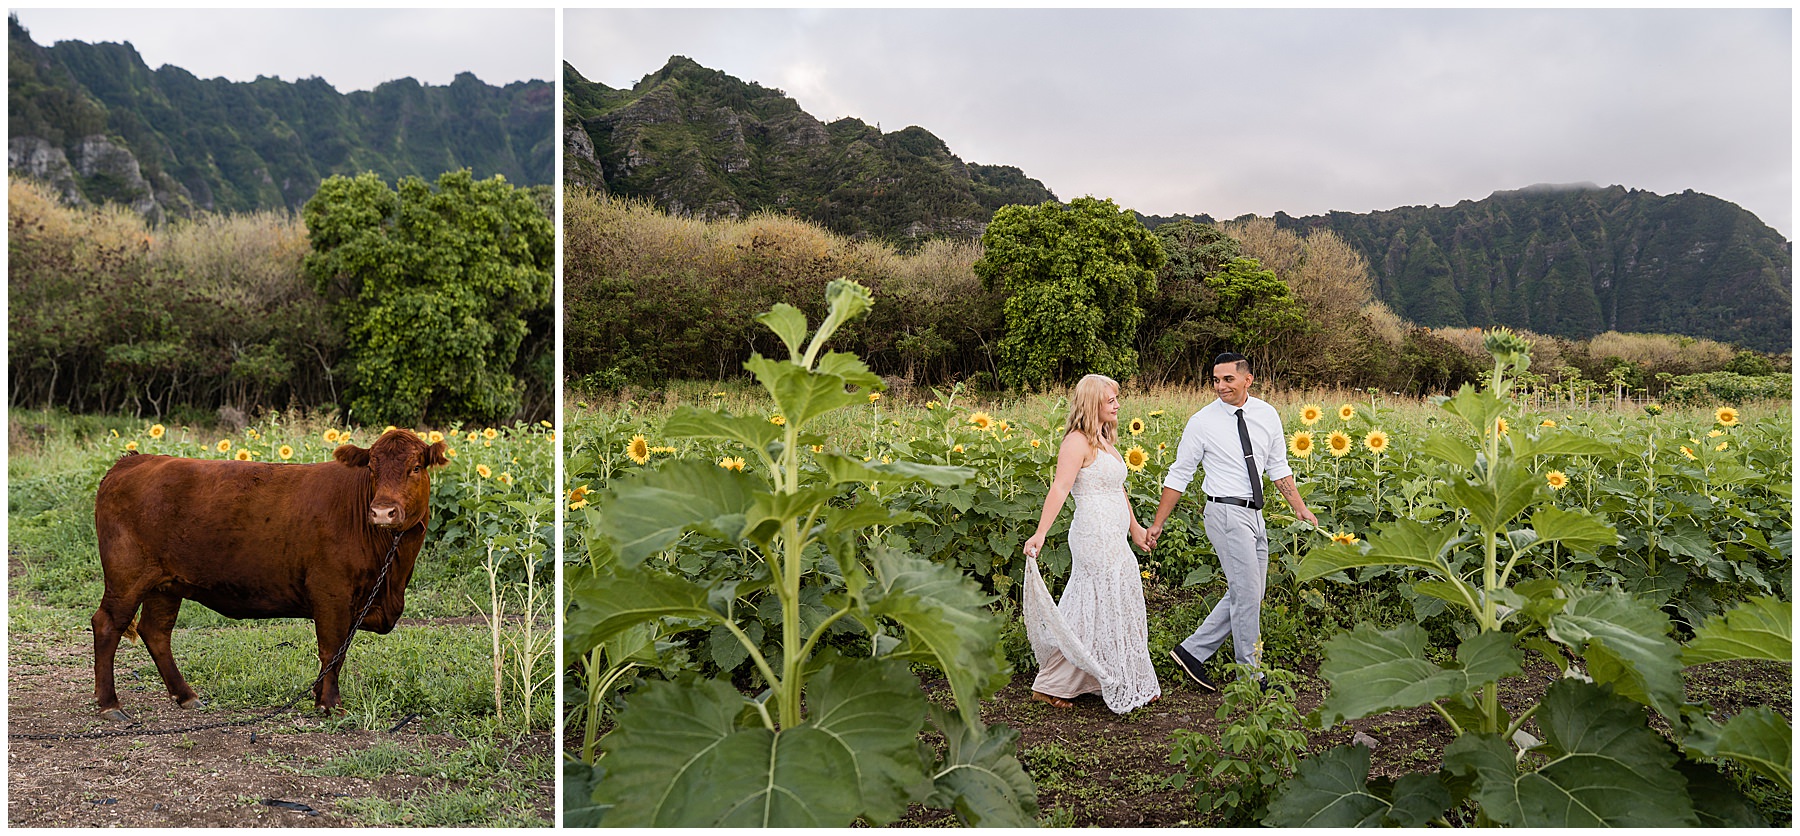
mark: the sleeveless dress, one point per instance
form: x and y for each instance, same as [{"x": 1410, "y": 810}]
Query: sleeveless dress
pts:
[{"x": 1097, "y": 638}]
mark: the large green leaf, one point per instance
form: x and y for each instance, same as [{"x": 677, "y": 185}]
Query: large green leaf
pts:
[
  {"x": 1401, "y": 543},
  {"x": 1717, "y": 800},
  {"x": 615, "y": 599},
  {"x": 1479, "y": 407},
  {"x": 1492, "y": 507},
  {"x": 682, "y": 756},
  {"x": 1625, "y": 643},
  {"x": 1329, "y": 790},
  {"x": 851, "y": 368},
  {"x": 1760, "y": 628},
  {"x": 874, "y": 709},
  {"x": 1372, "y": 671},
  {"x": 1758, "y": 738},
  {"x": 979, "y": 777},
  {"x": 752, "y": 431},
  {"x": 1605, "y": 767},
  {"x": 947, "y": 623},
  {"x": 1559, "y": 443},
  {"x": 1445, "y": 447},
  {"x": 579, "y": 784},
  {"x": 839, "y": 469},
  {"x": 646, "y": 512},
  {"x": 789, "y": 324},
  {"x": 1576, "y": 531},
  {"x": 801, "y": 394}
]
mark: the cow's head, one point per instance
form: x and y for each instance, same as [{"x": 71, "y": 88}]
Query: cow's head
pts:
[{"x": 399, "y": 465}]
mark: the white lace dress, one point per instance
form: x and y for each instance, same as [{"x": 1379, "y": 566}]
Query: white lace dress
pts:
[{"x": 1097, "y": 637}]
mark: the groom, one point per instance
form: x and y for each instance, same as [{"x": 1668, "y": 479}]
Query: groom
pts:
[{"x": 1235, "y": 440}]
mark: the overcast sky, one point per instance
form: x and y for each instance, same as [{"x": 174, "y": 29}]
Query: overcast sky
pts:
[
  {"x": 1228, "y": 112},
  {"x": 352, "y": 49}
]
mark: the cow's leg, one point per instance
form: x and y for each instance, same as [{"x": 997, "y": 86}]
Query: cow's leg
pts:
[
  {"x": 332, "y": 622},
  {"x": 156, "y": 626},
  {"x": 110, "y": 623}
]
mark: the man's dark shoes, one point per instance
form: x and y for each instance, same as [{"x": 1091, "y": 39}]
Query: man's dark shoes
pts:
[{"x": 1191, "y": 666}]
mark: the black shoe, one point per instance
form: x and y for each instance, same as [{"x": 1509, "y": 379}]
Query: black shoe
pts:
[{"x": 1191, "y": 666}]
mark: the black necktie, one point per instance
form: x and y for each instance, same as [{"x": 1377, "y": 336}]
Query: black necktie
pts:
[{"x": 1256, "y": 494}]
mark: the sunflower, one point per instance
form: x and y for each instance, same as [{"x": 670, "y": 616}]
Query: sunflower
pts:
[
  {"x": 285, "y": 452},
  {"x": 818, "y": 448},
  {"x": 1556, "y": 479},
  {"x": 472, "y": 436},
  {"x": 638, "y": 449},
  {"x": 1500, "y": 425},
  {"x": 242, "y": 455},
  {"x": 1002, "y": 426},
  {"x": 1137, "y": 426},
  {"x": 157, "y": 430},
  {"x": 931, "y": 404},
  {"x": 330, "y": 436},
  {"x": 1035, "y": 443},
  {"x": 1338, "y": 444},
  {"x": 1346, "y": 412},
  {"x": 1376, "y": 441},
  {"x": 956, "y": 449},
  {"x": 1155, "y": 412},
  {"x": 490, "y": 434},
  {"x": 982, "y": 420},
  {"x": 732, "y": 463},
  {"x": 506, "y": 478},
  {"x": 578, "y": 498},
  {"x": 778, "y": 420},
  {"x": 131, "y": 445},
  {"x": 1547, "y": 423},
  {"x": 1653, "y": 409},
  {"x": 1345, "y": 538},
  {"x": 1136, "y": 458},
  {"x": 449, "y": 452},
  {"x": 1715, "y": 433},
  {"x": 1311, "y": 413},
  {"x": 1722, "y": 446},
  {"x": 1686, "y": 452},
  {"x": 1726, "y": 416},
  {"x": 546, "y": 424},
  {"x": 223, "y": 445},
  {"x": 484, "y": 471},
  {"x": 1301, "y": 444},
  {"x": 434, "y": 437},
  {"x": 874, "y": 396}
]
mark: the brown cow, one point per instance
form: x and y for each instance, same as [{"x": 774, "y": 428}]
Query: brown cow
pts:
[{"x": 256, "y": 540}]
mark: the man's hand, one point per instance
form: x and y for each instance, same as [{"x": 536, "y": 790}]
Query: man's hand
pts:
[{"x": 1151, "y": 535}]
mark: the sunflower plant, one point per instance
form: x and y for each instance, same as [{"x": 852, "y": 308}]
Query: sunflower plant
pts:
[
  {"x": 1599, "y": 762},
  {"x": 831, "y": 738}
]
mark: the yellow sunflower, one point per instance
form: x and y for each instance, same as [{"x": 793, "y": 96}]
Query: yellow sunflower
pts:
[
  {"x": 1311, "y": 413},
  {"x": 578, "y": 498},
  {"x": 285, "y": 452},
  {"x": 131, "y": 445},
  {"x": 931, "y": 404},
  {"x": 434, "y": 437},
  {"x": 778, "y": 420},
  {"x": 1547, "y": 423},
  {"x": 638, "y": 449},
  {"x": 1155, "y": 412},
  {"x": 1345, "y": 537},
  {"x": 731, "y": 463},
  {"x": 982, "y": 420},
  {"x": 1715, "y": 433},
  {"x": 818, "y": 448},
  {"x": 1726, "y": 416},
  {"x": 1376, "y": 441},
  {"x": 1722, "y": 446},
  {"x": 1137, "y": 426},
  {"x": 490, "y": 434},
  {"x": 1500, "y": 425},
  {"x": 1136, "y": 458},
  {"x": 1686, "y": 452},
  {"x": 472, "y": 436},
  {"x": 546, "y": 424},
  {"x": 450, "y": 452},
  {"x": 874, "y": 396},
  {"x": 1301, "y": 444},
  {"x": 505, "y": 478},
  {"x": 1338, "y": 444},
  {"x": 956, "y": 449},
  {"x": 157, "y": 430},
  {"x": 242, "y": 455},
  {"x": 1556, "y": 479},
  {"x": 1035, "y": 443},
  {"x": 223, "y": 445},
  {"x": 1346, "y": 412},
  {"x": 1002, "y": 426},
  {"x": 484, "y": 471}
]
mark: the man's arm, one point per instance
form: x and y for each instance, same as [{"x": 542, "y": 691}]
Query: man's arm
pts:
[{"x": 1292, "y": 494}]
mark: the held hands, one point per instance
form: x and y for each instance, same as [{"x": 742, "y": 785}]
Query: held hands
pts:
[
  {"x": 1140, "y": 536},
  {"x": 1151, "y": 535}
]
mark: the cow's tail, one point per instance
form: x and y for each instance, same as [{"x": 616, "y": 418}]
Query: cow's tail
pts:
[{"x": 130, "y": 633}]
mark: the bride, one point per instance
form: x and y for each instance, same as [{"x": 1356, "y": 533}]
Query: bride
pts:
[{"x": 1096, "y": 639}]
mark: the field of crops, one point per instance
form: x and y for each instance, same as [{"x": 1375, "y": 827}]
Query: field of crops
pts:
[
  {"x": 448, "y": 719},
  {"x": 1460, "y": 539}
]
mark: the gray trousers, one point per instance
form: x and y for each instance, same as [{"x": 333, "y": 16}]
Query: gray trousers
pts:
[{"x": 1242, "y": 541}]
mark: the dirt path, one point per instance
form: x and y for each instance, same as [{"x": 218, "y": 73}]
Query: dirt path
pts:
[{"x": 214, "y": 778}]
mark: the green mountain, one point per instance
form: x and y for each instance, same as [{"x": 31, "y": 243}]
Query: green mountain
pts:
[
  {"x": 1574, "y": 261},
  {"x": 697, "y": 141},
  {"x": 102, "y": 126}
]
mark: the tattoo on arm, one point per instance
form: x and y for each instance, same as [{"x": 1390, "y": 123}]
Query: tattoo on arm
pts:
[{"x": 1288, "y": 492}]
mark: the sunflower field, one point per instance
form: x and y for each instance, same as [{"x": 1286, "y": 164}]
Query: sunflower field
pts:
[{"x": 1683, "y": 511}]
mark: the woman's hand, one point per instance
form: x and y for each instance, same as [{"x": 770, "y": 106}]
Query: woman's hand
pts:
[
  {"x": 1140, "y": 536},
  {"x": 1034, "y": 545}
]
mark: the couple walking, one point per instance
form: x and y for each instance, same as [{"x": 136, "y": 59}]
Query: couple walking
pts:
[{"x": 1096, "y": 639}]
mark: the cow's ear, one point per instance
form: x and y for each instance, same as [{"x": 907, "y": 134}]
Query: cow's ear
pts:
[
  {"x": 352, "y": 455},
  {"x": 434, "y": 455}
]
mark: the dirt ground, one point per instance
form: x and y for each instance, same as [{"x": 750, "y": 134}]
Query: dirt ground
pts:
[
  {"x": 1126, "y": 758},
  {"x": 245, "y": 776}
]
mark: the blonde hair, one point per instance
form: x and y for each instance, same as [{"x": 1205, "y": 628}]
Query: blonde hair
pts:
[{"x": 1084, "y": 410}]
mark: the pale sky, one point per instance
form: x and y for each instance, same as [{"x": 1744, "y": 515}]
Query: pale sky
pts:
[
  {"x": 353, "y": 49},
  {"x": 1228, "y": 112}
]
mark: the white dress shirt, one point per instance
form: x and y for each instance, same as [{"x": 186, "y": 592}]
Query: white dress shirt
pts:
[{"x": 1210, "y": 442}]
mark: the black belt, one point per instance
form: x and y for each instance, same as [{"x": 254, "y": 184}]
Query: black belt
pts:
[{"x": 1232, "y": 500}]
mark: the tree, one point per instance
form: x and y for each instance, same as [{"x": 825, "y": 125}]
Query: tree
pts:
[
  {"x": 1180, "y": 330},
  {"x": 434, "y": 288},
  {"x": 1074, "y": 278},
  {"x": 1255, "y": 309}
]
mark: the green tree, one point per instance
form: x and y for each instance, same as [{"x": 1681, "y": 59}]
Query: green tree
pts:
[
  {"x": 1075, "y": 278},
  {"x": 435, "y": 289},
  {"x": 1255, "y": 309}
]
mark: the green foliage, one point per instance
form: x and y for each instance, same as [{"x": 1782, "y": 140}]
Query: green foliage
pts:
[
  {"x": 437, "y": 289},
  {"x": 1259, "y": 748},
  {"x": 1075, "y": 279},
  {"x": 1727, "y": 387},
  {"x": 791, "y": 570}
]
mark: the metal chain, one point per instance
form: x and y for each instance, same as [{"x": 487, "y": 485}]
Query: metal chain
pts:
[{"x": 380, "y": 581}]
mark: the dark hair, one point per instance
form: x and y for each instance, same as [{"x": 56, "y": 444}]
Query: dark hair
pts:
[{"x": 1242, "y": 364}]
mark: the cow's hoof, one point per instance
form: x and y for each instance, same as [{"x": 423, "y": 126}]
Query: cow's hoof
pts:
[
  {"x": 116, "y": 715},
  {"x": 191, "y": 702}
]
